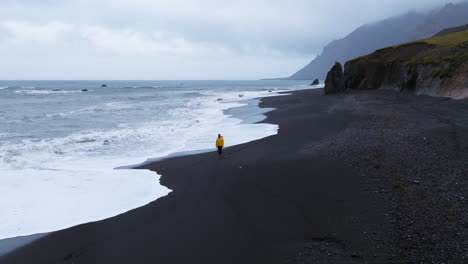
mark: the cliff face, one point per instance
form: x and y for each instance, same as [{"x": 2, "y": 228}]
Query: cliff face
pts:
[
  {"x": 370, "y": 37},
  {"x": 436, "y": 66}
]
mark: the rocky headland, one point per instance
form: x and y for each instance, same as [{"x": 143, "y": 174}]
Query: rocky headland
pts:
[
  {"x": 436, "y": 66},
  {"x": 388, "y": 32}
]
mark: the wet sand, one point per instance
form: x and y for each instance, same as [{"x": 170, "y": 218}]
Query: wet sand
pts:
[{"x": 376, "y": 177}]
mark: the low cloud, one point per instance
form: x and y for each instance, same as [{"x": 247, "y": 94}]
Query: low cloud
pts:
[
  {"x": 25, "y": 32},
  {"x": 256, "y": 38},
  {"x": 149, "y": 43}
]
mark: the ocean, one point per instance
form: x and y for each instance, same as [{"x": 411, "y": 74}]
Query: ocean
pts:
[{"x": 66, "y": 146}]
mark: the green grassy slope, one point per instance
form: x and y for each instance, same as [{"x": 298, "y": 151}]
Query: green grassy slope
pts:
[
  {"x": 450, "y": 49},
  {"x": 453, "y": 39}
]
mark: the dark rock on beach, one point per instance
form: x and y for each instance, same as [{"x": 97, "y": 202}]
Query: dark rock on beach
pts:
[{"x": 334, "y": 83}]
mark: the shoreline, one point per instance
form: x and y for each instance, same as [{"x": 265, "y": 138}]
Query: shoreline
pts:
[
  {"x": 350, "y": 177},
  {"x": 70, "y": 168},
  {"x": 256, "y": 117},
  {"x": 255, "y": 114}
]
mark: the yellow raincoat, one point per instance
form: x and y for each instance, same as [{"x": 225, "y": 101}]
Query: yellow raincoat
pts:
[{"x": 220, "y": 142}]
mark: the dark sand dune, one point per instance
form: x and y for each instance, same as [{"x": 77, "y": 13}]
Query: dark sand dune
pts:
[{"x": 369, "y": 177}]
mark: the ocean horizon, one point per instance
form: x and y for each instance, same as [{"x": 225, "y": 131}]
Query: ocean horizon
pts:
[{"x": 62, "y": 140}]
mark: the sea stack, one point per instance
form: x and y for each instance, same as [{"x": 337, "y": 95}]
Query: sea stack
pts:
[
  {"x": 316, "y": 82},
  {"x": 334, "y": 83}
]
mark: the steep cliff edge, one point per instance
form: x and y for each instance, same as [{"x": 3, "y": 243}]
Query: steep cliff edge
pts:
[{"x": 436, "y": 66}]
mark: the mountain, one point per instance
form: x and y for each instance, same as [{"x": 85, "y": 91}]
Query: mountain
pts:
[
  {"x": 436, "y": 66},
  {"x": 388, "y": 32}
]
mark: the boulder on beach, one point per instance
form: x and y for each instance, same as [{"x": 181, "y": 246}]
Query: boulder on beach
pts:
[
  {"x": 334, "y": 83},
  {"x": 315, "y": 82}
]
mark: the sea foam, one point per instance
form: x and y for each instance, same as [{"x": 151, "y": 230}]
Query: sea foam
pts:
[{"x": 56, "y": 183}]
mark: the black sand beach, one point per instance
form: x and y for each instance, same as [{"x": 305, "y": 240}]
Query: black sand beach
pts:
[{"x": 366, "y": 177}]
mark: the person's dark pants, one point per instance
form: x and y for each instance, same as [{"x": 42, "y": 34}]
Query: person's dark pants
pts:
[{"x": 220, "y": 151}]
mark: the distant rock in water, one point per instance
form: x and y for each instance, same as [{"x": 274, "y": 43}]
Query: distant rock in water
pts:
[
  {"x": 84, "y": 90},
  {"x": 104, "y": 85},
  {"x": 436, "y": 66},
  {"x": 315, "y": 82},
  {"x": 334, "y": 83}
]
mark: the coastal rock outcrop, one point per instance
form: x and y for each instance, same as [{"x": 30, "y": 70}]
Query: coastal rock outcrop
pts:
[
  {"x": 436, "y": 66},
  {"x": 315, "y": 82},
  {"x": 334, "y": 83}
]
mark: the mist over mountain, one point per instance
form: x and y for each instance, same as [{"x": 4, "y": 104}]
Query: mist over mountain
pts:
[{"x": 370, "y": 37}]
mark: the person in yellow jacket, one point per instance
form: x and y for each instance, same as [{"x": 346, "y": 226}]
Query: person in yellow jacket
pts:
[{"x": 220, "y": 144}]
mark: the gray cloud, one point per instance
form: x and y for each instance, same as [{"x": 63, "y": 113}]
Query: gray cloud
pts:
[{"x": 178, "y": 39}]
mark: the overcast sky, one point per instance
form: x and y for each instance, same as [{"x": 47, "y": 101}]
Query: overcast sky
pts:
[{"x": 177, "y": 39}]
